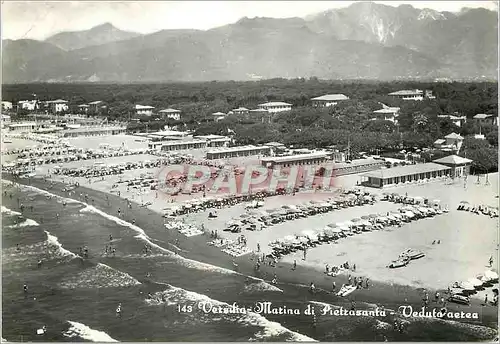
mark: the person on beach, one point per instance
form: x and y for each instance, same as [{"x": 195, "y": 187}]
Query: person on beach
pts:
[
  {"x": 21, "y": 207},
  {"x": 258, "y": 248},
  {"x": 312, "y": 287},
  {"x": 327, "y": 268},
  {"x": 275, "y": 279},
  {"x": 436, "y": 297},
  {"x": 349, "y": 279},
  {"x": 133, "y": 221},
  {"x": 57, "y": 216},
  {"x": 491, "y": 261},
  {"x": 39, "y": 264},
  {"x": 119, "y": 310},
  {"x": 294, "y": 264},
  {"x": 366, "y": 284},
  {"x": 305, "y": 254},
  {"x": 486, "y": 299},
  {"x": 31, "y": 208},
  {"x": 119, "y": 212},
  {"x": 110, "y": 237},
  {"x": 18, "y": 248},
  {"x": 334, "y": 286}
]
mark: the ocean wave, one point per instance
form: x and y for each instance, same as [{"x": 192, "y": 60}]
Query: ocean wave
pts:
[
  {"x": 99, "y": 276},
  {"x": 186, "y": 262},
  {"x": 261, "y": 286},
  {"x": 53, "y": 242},
  {"x": 25, "y": 223},
  {"x": 83, "y": 331},
  {"x": 270, "y": 329},
  {"x": 8, "y": 212}
]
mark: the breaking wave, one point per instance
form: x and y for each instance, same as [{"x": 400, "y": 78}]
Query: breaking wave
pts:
[
  {"x": 270, "y": 329},
  {"x": 99, "y": 276},
  {"x": 186, "y": 262},
  {"x": 25, "y": 223},
  {"x": 8, "y": 212},
  {"x": 53, "y": 242},
  {"x": 261, "y": 286},
  {"x": 83, "y": 331}
]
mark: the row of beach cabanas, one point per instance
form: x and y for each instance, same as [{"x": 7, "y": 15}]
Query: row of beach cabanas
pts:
[{"x": 335, "y": 231}]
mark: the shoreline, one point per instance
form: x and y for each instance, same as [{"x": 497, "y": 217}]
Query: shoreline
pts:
[{"x": 293, "y": 283}]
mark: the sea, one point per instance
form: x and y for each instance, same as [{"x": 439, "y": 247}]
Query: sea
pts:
[{"x": 159, "y": 294}]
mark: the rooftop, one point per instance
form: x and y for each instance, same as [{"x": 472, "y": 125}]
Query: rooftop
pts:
[
  {"x": 275, "y": 144},
  {"x": 170, "y": 111},
  {"x": 359, "y": 162},
  {"x": 275, "y": 104},
  {"x": 454, "y": 136},
  {"x": 315, "y": 155},
  {"x": 453, "y": 159},
  {"x": 405, "y": 170},
  {"x": 387, "y": 110},
  {"x": 93, "y": 129},
  {"x": 237, "y": 149},
  {"x": 407, "y": 93},
  {"x": 143, "y": 107},
  {"x": 331, "y": 97},
  {"x": 83, "y": 105},
  {"x": 57, "y": 101},
  {"x": 96, "y": 102},
  {"x": 481, "y": 116},
  {"x": 241, "y": 109},
  {"x": 218, "y": 114},
  {"x": 210, "y": 137}
]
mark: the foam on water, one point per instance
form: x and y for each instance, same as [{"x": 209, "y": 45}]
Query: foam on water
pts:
[
  {"x": 83, "y": 331},
  {"x": 261, "y": 286},
  {"x": 8, "y": 212},
  {"x": 270, "y": 329},
  {"x": 99, "y": 276},
  {"x": 53, "y": 241},
  {"x": 189, "y": 263},
  {"x": 25, "y": 223}
]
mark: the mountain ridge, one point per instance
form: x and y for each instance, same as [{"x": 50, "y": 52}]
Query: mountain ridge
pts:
[{"x": 365, "y": 40}]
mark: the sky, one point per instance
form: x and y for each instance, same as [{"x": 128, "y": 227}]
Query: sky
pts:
[{"x": 39, "y": 19}]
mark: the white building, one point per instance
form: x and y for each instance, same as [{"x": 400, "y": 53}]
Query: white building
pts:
[
  {"x": 273, "y": 107},
  {"x": 408, "y": 94},
  {"x": 5, "y": 120},
  {"x": 6, "y": 106},
  {"x": 58, "y": 105},
  {"x": 23, "y": 127},
  {"x": 387, "y": 113},
  {"x": 328, "y": 100},
  {"x": 171, "y": 113},
  {"x": 240, "y": 111},
  {"x": 145, "y": 110},
  {"x": 217, "y": 116},
  {"x": 96, "y": 106},
  {"x": 30, "y": 105},
  {"x": 457, "y": 120}
]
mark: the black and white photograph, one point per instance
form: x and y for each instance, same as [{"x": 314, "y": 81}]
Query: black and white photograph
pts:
[{"x": 242, "y": 171}]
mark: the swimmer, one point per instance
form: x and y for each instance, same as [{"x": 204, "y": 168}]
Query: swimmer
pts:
[
  {"x": 119, "y": 310},
  {"x": 39, "y": 264},
  {"x": 17, "y": 247},
  {"x": 110, "y": 237},
  {"x": 57, "y": 216},
  {"x": 25, "y": 287}
]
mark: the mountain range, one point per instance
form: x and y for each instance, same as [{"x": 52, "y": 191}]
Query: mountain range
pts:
[{"x": 362, "y": 41}]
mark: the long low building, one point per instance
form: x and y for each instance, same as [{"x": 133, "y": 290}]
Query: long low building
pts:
[
  {"x": 357, "y": 166},
  {"x": 241, "y": 151},
  {"x": 292, "y": 160},
  {"x": 93, "y": 131},
  {"x": 178, "y": 145},
  {"x": 404, "y": 174}
]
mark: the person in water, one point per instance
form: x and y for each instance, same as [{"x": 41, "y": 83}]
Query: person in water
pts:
[
  {"x": 39, "y": 263},
  {"x": 17, "y": 247},
  {"x": 25, "y": 288},
  {"x": 119, "y": 310}
]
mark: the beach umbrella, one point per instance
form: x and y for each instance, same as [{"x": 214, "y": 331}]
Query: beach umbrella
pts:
[
  {"x": 355, "y": 220},
  {"x": 332, "y": 225},
  {"x": 490, "y": 275},
  {"x": 467, "y": 286},
  {"x": 344, "y": 229},
  {"x": 409, "y": 214},
  {"x": 475, "y": 282}
]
